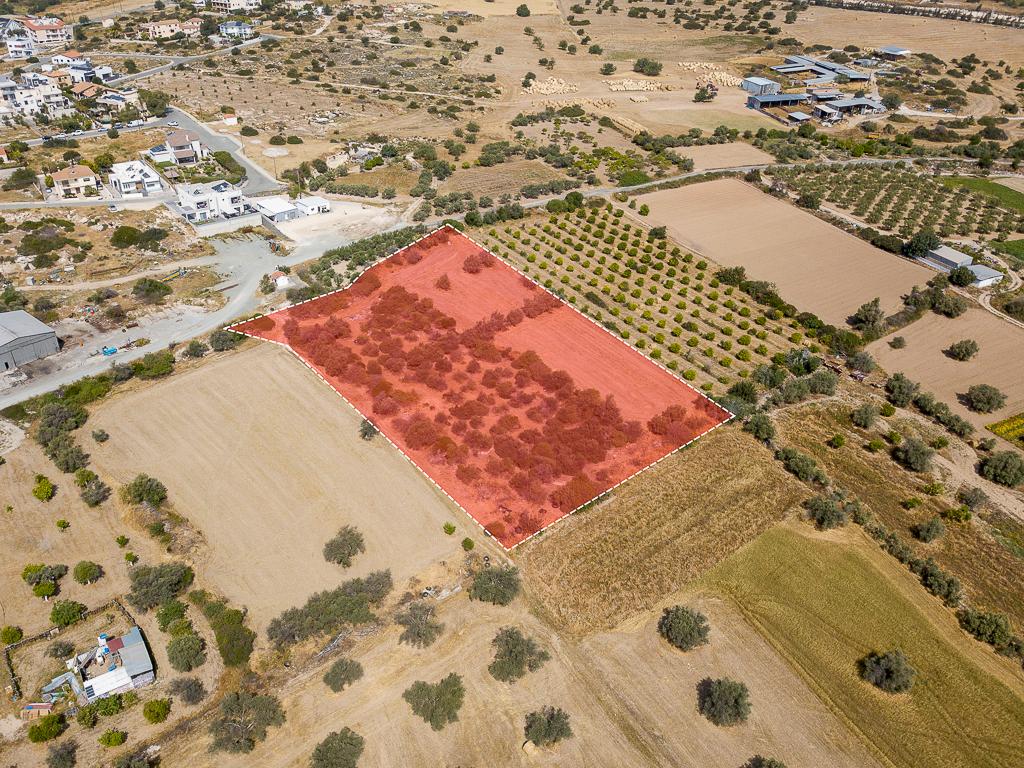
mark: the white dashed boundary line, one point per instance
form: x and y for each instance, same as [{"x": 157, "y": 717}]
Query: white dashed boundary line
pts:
[{"x": 412, "y": 461}]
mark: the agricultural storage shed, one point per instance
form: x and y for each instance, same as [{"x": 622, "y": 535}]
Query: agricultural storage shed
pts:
[
  {"x": 24, "y": 339},
  {"x": 760, "y": 86},
  {"x": 984, "y": 277},
  {"x": 946, "y": 259}
]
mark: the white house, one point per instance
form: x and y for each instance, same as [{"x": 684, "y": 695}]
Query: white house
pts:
[
  {"x": 206, "y": 202},
  {"x": 234, "y": 6},
  {"x": 26, "y": 36},
  {"x": 75, "y": 181},
  {"x": 179, "y": 148},
  {"x": 313, "y": 204},
  {"x": 134, "y": 179},
  {"x": 238, "y": 30},
  {"x": 42, "y": 98}
]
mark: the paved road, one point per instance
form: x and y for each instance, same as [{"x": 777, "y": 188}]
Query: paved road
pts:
[{"x": 176, "y": 60}]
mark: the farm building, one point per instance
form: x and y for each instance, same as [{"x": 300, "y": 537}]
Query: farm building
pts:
[
  {"x": 946, "y": 259},
  {"x": 760, "y": 86},
  {"x": 892, "y": 52},
  {"x": 798, "y": 117},
  {"x": 113, "y": 665},
  {"x": 776, "y": 100},
  {"x": 24, "y": 339},
  {"x": 823, "y": 71},
  {"x": 313, "y": 204},
  {"x": 277, "y": 209},
  {"x": 856, "y": 106},
  {"x": 984, "y": 277}
]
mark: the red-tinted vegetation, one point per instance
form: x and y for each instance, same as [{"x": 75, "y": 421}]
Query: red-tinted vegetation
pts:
[{"x": 521, "y": 409}]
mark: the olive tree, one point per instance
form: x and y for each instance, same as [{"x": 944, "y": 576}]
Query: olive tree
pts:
[
  {"x": 341, "y": 749},
  {"x": 889, "y": 671},
  {"x": 723, "y": 701},
  {"x": 684, "y": 627},
  {"x": 438, "y": 703},
  {"x": 984, "y": 398},
  {"x": 514, "y": 655},
  {"x": 547, "y": 725},
  {"x": 421, "y": 630},
  {"x": 342, "y": 674}
]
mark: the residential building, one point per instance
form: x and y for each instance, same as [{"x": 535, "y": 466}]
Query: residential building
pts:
[
  {"x": 70, "y": 58},
  {"x": 7, "y": 89},
  {"x": 760, "y": 86},
  {"x": 946, "y": 259},
  {"x": 26, "y": 36},
  {"x": 112, "y": 666},
  {"x": 75, "y": 181},
  {"x": 134, "y": 179},
  {"x": 112, "y": 102},
  {"x": 179, "y": 148},
  {"x": 4, "y": 158},
  {"x": 199, "y": 203},
  {"x": 24, "y": 339},
  {"x": 192, "y": 27},
  {"x": 43, "y": 98},
  {"x": 239, "y": 30},
  {"x": 277, "y": 209},
  {"x": 234, "y": 6},
  {"x": 161, "y": 30}
]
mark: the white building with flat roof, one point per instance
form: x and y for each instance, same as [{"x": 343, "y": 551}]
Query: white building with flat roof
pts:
[
  {"x": 199, "y": 203},
  {"x": 134, "y": 179}
]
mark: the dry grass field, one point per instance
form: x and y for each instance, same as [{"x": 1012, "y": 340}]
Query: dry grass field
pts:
[
  {"x": 233, "y": 441},
  {"x": 999, "y": 361},
  {"x": 507, "y": 178},
  {"x": 633, "y": 708},
  {"x": 816, "y": 266},
  {"x": 991, "y": 572},
  {"x": 1013, "y": 182},
  {"x": 732, "y": 155},
  {"x": 657, "y": 532},
  {"x": 826, "y": 600},
  {"x": 945, "y": 39}
]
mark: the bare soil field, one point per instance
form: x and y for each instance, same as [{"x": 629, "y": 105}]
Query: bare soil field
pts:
[
  {"x": 999, "y": 361},
  {"x": 942, "y": 38},
  {"x": 657, "y": 532},
  {"x": 489, "y": 8},
  {"x": 232, "y": 442},
  {"x": 635, "y": 709},
  {"x": 732, "y": 155},
  {"x": 825, "y": 600},
  {"x": 815, "y": 266}
]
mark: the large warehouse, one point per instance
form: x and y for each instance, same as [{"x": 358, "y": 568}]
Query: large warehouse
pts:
[{"x": 24, "y": 339}]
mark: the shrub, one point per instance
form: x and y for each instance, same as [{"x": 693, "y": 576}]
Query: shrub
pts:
[
  {"x": 648, "y": 67},
  {"x": 420, "y": 628},
  {"x": 145, "y": 490},
  {"x": 522, "y": 10},
  {"x": 95, "y": 492},
  {"x": 937, "y": 581},
  {"x": 125, "y": 237},
  {"x": 437, "y": 704},
  {"x": 189, "y": 689},
  {"x": 113, "y": 738},
  {"x": 684, "y": 627},
  {"x": 546, "y": 726},
  {"x": 984, "y": 398},
  {"x": 344, "y": 546},
  {"x": 864, "y": 416},
  {"x": 963, "y": 350},
  {"x": 327, "y": 611},
  {"x": 760, "y": 426},
  {"x": 890, "y": 671},
  {"x": 972, "y": 498},
  {"x": 150, "y": 291},
  {"x": 498, "y": 585},
  {"x": 86, "y": 572},
  {"x": 47, "y": 728},
  {"x": 157, "y": 710},
  {"x": 929, "y": 530},
  {"x": 10, "y": 635},
  {"x": 991, "y": 628},
  {"x": 913, "y": 454},
  {"x": 515, "y": 655},
  {"x": 154, "y": 365},
  {"x": 342, "y": 674},
  {"x": 44, "y": 489},
  {"x": 341, "y": 749},
  {"x": 827, "y": 512},
  {"x": 723, "y": 701},
  {"x": 801, "y": 465},
  {"x": 836, "y": 441},
  {"x": 243, "y": 721},
  {"x": 66, "y": 612},
  {"x": 900, "y": 390},
  {"x": 196, "y": 349},
  {"x": 157, "y": 584},
  {"x": 221, "y": 341},
  {"x": 63, "y": 755},
  {"x": 186, "y": 652},
  {"x": 60, "y": 649},
  {"x": 1003, "y": 467}
]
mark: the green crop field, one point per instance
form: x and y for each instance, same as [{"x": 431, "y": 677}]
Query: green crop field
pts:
[
  {"x": 824, "y": 605},
  {"x": 1011, "y": 198}
]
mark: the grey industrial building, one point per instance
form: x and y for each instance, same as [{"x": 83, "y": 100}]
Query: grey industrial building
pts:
[{"x": 24, "y": 339}]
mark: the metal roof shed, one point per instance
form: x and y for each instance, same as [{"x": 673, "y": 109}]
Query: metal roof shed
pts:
[{"x": 23, "y": 339}]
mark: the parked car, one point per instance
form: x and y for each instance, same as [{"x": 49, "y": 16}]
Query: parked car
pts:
[{"x": 172, "y": 123}]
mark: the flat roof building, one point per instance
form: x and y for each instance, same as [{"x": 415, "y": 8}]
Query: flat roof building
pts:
[
  {"x": 946, "y": 259},
  {"x": 277, "y": 209},
  {"x": 985, "y": 277},
  {"x": 776, "y": 100},
  {"x": 760, "y": 86},
  {"x": 892, "y": 52},
  {"x": 824, "y": 71},
  {"x": 24, "y": 339}
]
